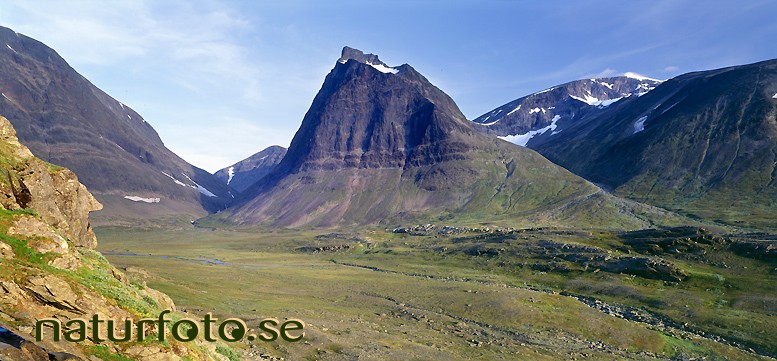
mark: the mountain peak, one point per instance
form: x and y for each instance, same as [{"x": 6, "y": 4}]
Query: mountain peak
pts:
[{"x": 369, "y": 59}]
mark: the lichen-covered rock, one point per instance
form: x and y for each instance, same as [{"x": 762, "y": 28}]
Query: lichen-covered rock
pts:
[
  {"x": 53, "y": 291},
  {"x": 42, "y": 237},
  {"x": 8, "y": 135},
  {"x": 6, "y": 251},
  {"x": 67, "y": 261},
  {"x": 62, "y": 202},
  {"x": 54, "y": 193}
]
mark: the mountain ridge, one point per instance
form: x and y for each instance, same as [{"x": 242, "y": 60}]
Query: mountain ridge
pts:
[
  {"x": 243, "y": 174},
  {"x": 63, "y": 117},
  {"x": 702, "y": 143},
  {"x": 551, "y": 110}
]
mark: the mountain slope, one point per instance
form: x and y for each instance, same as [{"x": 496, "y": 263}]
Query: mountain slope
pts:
[
  {"x": 381, "y": 144},
  {"x": 246, "y": 172},
  {"x": 550, "y": 111},
  {"x": 68, "y": 121},
  {"x": 704, "y": 143},
  {"x": 49, "y": 268}
]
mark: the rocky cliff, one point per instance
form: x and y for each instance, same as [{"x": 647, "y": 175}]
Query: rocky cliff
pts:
[{"x": 48, "y": 268}]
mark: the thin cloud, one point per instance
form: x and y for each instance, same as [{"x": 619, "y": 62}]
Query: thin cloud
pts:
[
  {"x": 195, "y": 47},
  {"x": 606, "y": 73}
]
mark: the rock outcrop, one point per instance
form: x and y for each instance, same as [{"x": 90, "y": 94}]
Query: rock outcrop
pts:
[{"x": 48, "y": 268}]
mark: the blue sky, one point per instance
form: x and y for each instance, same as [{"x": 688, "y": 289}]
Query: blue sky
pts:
[{"x": 221, "y": 80}]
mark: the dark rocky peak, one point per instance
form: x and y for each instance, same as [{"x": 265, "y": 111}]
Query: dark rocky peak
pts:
[
  {"x": 362, "y": 118},
  {"x": 23, "y": 46},
  {"x": 369, "y": 59}
]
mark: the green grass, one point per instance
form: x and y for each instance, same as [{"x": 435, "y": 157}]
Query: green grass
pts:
[
  {"x": 104, "y": 353},
  {"x": 415, "y": 305},
  {"x": 96, "y": 275},
  {"x": 231, "y": 354}
]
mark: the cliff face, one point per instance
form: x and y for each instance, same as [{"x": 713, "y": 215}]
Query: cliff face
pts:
[{"x": 48, "y": 268}]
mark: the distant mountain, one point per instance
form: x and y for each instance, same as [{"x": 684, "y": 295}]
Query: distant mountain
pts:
[
  {"x": 703, "y": 143},
  {"x": 550, "y": 111},
  {"x": 381, "y": 144},
  {"x": 246, "y": 172},
  {"x": 66, "y": 120}
]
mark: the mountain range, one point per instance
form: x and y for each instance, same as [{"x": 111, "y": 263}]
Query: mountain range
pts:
[
  {"x": 381, "y": 144},
  {"x": 552, "y": 110},
  {"x": 703, "y": 144},
  {"x": 66, "y": 120}
]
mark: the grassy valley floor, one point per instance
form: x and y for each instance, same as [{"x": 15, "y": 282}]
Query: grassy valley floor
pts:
[{"x": 443, "y": 293}]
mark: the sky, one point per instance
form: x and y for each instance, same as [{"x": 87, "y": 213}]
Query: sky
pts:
[{"x": 221, "y": 80}]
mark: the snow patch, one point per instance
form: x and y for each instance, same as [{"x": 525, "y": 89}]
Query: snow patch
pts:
[
  {"x": 519, "y": 108},
  {"x": 9, "y": 47},
  {"x": 383, "y": 69},
  {"x": 204, "y": 190},
  {"x": 606, "y": 84},
  {"x": 523, "y": 139},
  {"x": 176, "y": 181},
  {"x": 128, "y": 116},
  {"x": 231, "y": 173},
  {"x": 535, "y": 110},
  {"x": 200, "y": 188},
  {"x": 639, "y": 125},
  {"x": 773, "y": 96},
  {"x": 4, "y": 96},
  {"x": 639, "y": 77},
  {"x": 590, "y": 100},
  {"x": 607, "y": 103},
  {"x": 141, "y": 199},
  {"x": 670, "y": 107}
]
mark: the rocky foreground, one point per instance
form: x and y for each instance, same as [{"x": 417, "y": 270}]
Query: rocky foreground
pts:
[{"x": 49, "y": 268}]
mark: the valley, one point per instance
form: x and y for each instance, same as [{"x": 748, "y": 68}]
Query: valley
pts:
[
  {"x": 613, "y": 218},
  {"x": 480, "y": 292}
]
